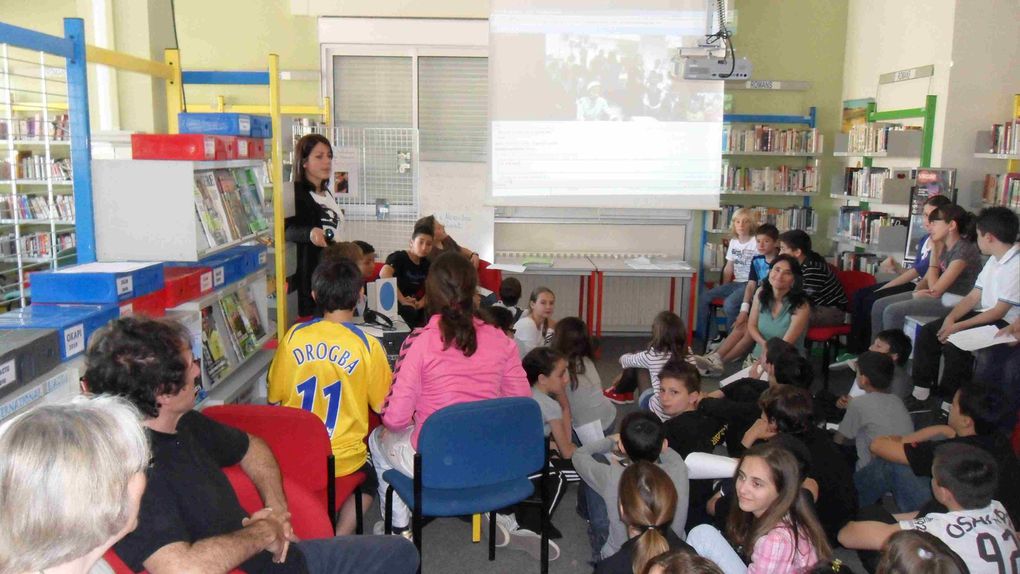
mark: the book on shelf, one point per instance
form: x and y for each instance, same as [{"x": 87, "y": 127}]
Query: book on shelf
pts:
[
  {"x": 764, "y": 138},
  {"x": 237, "y": 219},
  {"x": 250, "y": 313},
  {"x": 874, "y": 137},
  {"x": 1002, "y": 189},
  {"x": 771, "y": 179},
  {"x": 36, "y": 128},
  {"x": 1006, "y": 137},
  {"x": 240, "y": 336},
  {"x": 864, "y": 225},
  {"x": 35, "y": 245},
  {"x": 210, "y": 210},
  {"x": 866, "y": 262},
  {"x": 869, "y": 182},
  {"x": 251, "y": 199},
  {"x": 784, "y": 218},
  {"x": 213, "y": 354}
]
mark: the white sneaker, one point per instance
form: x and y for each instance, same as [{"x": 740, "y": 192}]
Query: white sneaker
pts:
[
  {"x": 709, "y": 365},
  {"x": 379, "y": 529},
  {"x": 528, "y": 541},
  {"x": 504, "y": 524}
]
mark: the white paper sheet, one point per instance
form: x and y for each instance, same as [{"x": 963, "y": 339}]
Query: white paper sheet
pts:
[
  {"x": 704, "y": 465},
  {"x": 107, "y": 267},
  {"x": 590, "y": 432},
  {"x": 509, "y": 268},
  {"x": 979, "y": 338},
  {"x": 741, "y": 374}
]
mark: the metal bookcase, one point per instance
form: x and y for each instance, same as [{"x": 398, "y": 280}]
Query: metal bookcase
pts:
[
  {"x": 31, "y": 83},
  {"x": 921, "y": 150}
]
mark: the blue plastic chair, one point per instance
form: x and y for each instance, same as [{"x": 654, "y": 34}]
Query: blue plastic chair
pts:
[{"x": 472, "y": 458}]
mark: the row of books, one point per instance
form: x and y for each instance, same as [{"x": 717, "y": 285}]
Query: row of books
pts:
[
  {"x": 864, "y": 225},
  {"x": 1002, "y": 189},
  {"x": 229, "y": 204},
  {"x": 35, "y": 244},
  {"x": 29, "y": 166},
  {"x": 866, "y": 262},
  {"x": 36, "y": 128},
  {"x": 1006, "y": 137},
  {"x": 770, "y": 179},
  {"x": 239, "y": 312},
  {"x": 784, "y": 218},
  {"x": 872, "y": 138},
  {"x": 763, "y": 138},
  {"x": 37, "y": 207},
  {"x": 870, "y": 181}
]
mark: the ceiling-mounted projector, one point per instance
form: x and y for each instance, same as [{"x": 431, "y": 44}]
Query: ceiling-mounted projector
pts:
[{"x": 710, "y": 68}]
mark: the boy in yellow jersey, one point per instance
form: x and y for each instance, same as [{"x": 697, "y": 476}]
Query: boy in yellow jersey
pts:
[{"x": 330, "y": 367}]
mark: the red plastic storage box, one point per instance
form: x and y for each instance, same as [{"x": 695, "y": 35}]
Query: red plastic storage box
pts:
[
  {"x": 186, "y": 284},
  {"x": 151, "y": 305},
  {"x": 193, "y": 147},
  {"x": 251, "y": 148}
]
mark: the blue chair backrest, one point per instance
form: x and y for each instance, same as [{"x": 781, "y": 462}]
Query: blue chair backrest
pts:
[{"x": 482, "y": 442}]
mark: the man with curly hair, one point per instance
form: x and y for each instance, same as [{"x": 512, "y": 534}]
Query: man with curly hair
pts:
[{"x": 190, "y": 519}]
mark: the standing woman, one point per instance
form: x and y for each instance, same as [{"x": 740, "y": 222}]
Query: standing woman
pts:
[
  {"x": 317, "y": 216},
  {"x": 535, "y": 328}
]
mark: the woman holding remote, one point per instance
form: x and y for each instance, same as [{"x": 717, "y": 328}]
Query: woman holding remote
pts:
[{"x": 317, "y": 216}]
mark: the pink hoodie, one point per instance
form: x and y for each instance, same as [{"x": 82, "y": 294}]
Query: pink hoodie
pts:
[{"x": 428, "y": 378}]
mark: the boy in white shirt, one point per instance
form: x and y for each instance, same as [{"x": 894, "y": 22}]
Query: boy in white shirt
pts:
[
  {"x": 995, "y": 299},
  {"x": 976, "y": 527}
]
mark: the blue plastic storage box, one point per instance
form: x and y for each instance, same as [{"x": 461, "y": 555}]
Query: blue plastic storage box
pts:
[
  {"x": 227, "y": 266},
  {"x": 261, "y": 127},
  {"x": 100, "y": 283},
  {"x": 215, "y": 124},
  {"x": 74, "y": 323},
  {"x": 255, "y": 257}
]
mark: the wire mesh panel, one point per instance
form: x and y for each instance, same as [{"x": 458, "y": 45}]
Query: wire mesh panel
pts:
[
  {"x": 37, "y": 219},
  {"x": 380, "y": 197}
]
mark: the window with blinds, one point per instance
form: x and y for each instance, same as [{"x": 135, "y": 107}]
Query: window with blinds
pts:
[
  {"x": 373, "y": 91},
  {"x": 452, "y": 93},
  {"x": 453, "y": 108}
]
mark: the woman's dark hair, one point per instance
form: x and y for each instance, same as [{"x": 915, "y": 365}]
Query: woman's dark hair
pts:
[
  {"x": 915, "y": 552},
  {"x": 796, "y": 296},
  {"x": 336, "y": 284},
  {"x": 791, "y": 368},
  {"x": 963, "y": 219},
  {"x": 743, "y": 529},
  {"x": 669, "y": 335},
  {"x": 303, "y": 149},
  {"x": 450, "y": 290},
  {"x": 540, "y": 361},
  {"x": 138, "y": 358},
  {"x": 938, "y": 201},
  {"x": 790, "y": 408},
  {"x": 570, "y": 338}
]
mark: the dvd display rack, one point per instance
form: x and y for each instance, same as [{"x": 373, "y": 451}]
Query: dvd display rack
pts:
[
  {"x": 1002, "y": 142},
  {"x": 764, "y": 156}
]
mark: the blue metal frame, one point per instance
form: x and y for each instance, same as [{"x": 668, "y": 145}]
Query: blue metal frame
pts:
[
  {"x": 207, "y": 78},
  {"x": 72, "y": 48}
]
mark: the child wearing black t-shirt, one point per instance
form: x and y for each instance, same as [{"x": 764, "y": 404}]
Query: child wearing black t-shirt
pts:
[{"x": 411, "y": 267}]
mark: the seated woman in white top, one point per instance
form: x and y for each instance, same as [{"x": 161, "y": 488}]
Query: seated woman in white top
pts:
[{"x": 535, "y": 328}]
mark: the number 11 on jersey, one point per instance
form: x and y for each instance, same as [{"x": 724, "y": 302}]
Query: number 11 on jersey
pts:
[{"x": 331, "y": 394}]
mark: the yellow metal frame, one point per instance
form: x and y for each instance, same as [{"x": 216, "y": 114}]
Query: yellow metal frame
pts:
[
  {"x": 170, "y": 71},
  {"x": 1014, "y": 164}
]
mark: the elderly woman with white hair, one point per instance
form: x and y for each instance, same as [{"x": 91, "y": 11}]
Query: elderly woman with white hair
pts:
[{"x": 71, "y": 480}]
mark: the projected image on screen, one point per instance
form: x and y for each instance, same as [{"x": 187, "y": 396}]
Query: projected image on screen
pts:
[{"x": 587, "y": 112}]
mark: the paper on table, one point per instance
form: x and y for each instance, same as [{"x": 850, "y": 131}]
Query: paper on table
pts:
[
  {"x": 741, "y": 374},
  {"x": 979, "y": 338},
  {"x": 704, "y": 465},
  {"x": 590, "y": 432},
  {"x": 483, "y": 291},
  {"x": 635, "y": 264},
  {"x": 508, "y": 267}
]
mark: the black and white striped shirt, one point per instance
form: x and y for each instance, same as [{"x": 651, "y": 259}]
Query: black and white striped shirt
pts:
[{"x": 821, "y": 284}]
